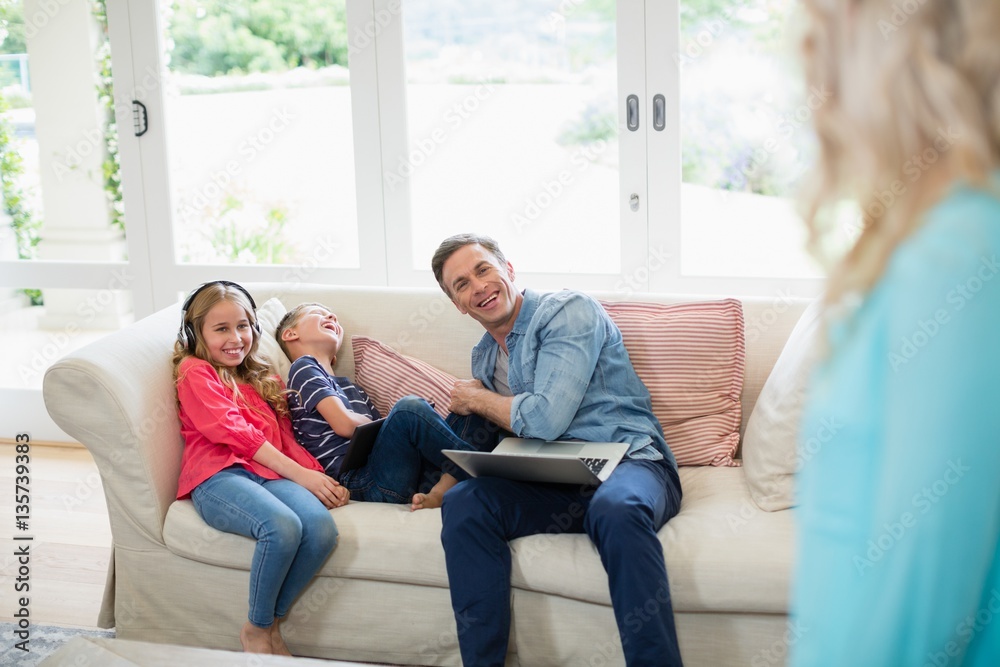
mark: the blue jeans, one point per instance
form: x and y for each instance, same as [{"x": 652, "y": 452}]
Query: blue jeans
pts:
[
  {"x": 621, "y": 516},
  {"x": 406, "y": 457},
  {"x": 294, "y": 531}
]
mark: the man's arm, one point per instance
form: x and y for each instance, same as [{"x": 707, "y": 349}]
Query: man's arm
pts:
[{"x": 471, "y": 397}]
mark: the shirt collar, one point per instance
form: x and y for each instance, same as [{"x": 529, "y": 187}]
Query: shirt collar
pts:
[{"x": 529, "y": 305}]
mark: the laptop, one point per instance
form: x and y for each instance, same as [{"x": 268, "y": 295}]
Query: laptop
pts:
[
  {"x": 361, "y": 445},
  {"x": 530, "y": 460}
]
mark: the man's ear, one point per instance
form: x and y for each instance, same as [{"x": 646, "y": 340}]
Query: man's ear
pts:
[{"x": 510, "y": 271}]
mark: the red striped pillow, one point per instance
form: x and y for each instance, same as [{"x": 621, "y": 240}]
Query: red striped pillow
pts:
[
  {"x": 691, "y": 357},
  {"x": 387, "y": 376}
]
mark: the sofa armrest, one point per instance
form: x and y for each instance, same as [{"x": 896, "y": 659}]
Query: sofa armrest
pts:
[{"x": 116, "y": 396}]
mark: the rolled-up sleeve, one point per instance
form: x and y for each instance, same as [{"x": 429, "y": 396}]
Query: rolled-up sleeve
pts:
[
  {"x": 569, "y": 344},
  {"x": 211, "y": 411}
]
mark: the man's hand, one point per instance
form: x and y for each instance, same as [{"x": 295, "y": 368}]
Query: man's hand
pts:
[
  {"x": 463, "y": 396},
  {"x": 471, "y": 397}
]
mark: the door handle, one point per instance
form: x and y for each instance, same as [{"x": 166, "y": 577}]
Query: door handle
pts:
[
  {"x": 659, "y": 113},
  {"x": 632, "y": 112}
]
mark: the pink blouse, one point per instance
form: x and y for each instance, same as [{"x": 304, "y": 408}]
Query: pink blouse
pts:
[{"x": 220, "y": 431}]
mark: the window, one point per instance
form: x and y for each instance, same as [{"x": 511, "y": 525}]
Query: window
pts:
[
  {"x": 260, "y": 134},
  {"x": 513, "y": 128},
  {"x": 745, "y": 136},
  {"x": 627, "y": 146}
]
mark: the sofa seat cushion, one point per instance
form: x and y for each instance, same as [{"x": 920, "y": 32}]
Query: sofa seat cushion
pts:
[
  {"x": 724, "y": 554},
  {"x": 378, "y": 541}
]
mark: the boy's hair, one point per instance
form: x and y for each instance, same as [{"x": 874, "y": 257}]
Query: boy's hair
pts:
[
  {"x": 291, "y": 319},
  {"x": 254, "y": 370}
]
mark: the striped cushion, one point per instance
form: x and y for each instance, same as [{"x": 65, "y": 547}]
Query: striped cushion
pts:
[
  {"x": 387, "y": 376},
  {"x": 691, "y": 357}
]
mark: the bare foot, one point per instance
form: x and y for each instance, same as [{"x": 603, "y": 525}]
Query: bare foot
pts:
[
  {"x": 254, "y": 639},
  {"x": 426, "y": 501},
  {"x": 278, "y": 646}
]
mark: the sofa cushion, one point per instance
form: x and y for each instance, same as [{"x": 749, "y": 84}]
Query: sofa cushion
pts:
[
  {"x": 385, "y": 542},
  {"x": 378, "y": 541},
  {"x": 269, "y": 314},
  {"x": 691, "y": 357},
  {"x": 717, "y": 520},
  {"x": 770, "y": 444},
  {"x": 387, "y": 376}
]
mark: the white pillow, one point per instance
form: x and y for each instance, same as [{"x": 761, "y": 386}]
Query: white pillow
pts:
[
  {"x": 770, "y": 443},
  {"x": 268, "y": 316}
]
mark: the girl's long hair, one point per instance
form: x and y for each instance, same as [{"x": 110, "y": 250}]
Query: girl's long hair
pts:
[
  {"x": 912, "y": 105},
  {"x": 254, "y": 370}
]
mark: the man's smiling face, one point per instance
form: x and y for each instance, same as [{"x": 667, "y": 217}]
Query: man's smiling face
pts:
[{"x": 482, "y": 288}]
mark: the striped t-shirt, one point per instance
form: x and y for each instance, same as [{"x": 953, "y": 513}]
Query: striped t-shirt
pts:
[{"x": 309, "y": 384}]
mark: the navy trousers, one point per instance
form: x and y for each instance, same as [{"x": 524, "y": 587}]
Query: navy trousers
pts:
[{"x": 621, "y": 517}]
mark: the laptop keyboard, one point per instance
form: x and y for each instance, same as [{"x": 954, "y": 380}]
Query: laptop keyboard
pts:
[{"x": 595, "y": 464}]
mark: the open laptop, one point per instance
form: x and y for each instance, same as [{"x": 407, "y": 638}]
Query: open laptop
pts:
[
  {"x": 361, "y": 445},
  {"x": 529, "y": 460}
]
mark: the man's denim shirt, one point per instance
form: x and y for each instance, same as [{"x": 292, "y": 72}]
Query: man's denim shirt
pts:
[{"x": 571, "y": 376}]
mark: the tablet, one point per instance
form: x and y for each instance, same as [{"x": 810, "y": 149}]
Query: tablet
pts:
[{"x": 361, "y": 445}]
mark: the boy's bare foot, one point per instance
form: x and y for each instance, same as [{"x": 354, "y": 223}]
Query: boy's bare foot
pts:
[
  {"x": 254, "y": 639},
  {"x": 278, "y": 646},
  {"x": 426, "y": 501},
  {"x": 434, "y": 497}
]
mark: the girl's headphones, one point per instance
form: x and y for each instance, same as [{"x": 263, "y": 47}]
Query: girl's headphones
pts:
[{"x": 186, "y": 335}]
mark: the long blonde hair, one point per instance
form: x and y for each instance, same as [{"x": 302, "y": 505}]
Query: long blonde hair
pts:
[
  {"x": 913, "y": 105},
  {"x": 254, "y": 370}
]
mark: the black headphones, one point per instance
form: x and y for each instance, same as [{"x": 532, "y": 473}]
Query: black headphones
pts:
[{"x": 186, "y": 336}]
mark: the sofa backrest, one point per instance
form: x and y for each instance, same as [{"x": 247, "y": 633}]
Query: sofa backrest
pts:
[{"x": 116, "y": 395}]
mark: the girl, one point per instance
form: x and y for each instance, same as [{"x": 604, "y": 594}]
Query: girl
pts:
[{"x": 241, "y": 466}]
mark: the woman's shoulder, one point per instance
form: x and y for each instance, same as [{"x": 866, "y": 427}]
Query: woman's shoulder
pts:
[{"x": 960, "y": 239}]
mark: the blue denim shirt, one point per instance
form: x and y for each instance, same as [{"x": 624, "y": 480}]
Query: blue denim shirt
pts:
[{"x": 571, "y": 376}]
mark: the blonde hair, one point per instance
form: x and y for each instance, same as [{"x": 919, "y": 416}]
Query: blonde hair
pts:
[
  {"x": 254, "y": 370},
  {"x": 913, "y": 105}
]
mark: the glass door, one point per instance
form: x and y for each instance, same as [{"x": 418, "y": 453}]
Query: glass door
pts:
[
  {"x": 515, "y": 125},
  {"x": 252, "y": 168},
  {"x": 70, "y": 271}
]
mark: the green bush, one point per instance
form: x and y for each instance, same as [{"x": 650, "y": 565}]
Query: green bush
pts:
[{"x": 214, "y": 37}]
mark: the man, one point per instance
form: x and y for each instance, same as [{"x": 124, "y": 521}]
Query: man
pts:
[{"x": 553, "y": 366}]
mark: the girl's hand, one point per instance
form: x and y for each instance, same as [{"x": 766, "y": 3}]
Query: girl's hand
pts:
[
  {"x": 343, "y": 495},
  {"x": 327, "y": 489}
]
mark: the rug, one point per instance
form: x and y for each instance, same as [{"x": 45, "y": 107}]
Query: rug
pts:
[{"x": 43, "y": 641}]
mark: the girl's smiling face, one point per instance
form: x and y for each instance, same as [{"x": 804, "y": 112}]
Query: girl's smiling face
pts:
[{"x": 227, "y": 333}]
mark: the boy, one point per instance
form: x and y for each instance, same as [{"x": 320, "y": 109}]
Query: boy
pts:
[{"x": 326, "y": 409}]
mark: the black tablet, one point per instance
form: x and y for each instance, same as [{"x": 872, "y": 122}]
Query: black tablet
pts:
[{"x": 361, "y": 445}]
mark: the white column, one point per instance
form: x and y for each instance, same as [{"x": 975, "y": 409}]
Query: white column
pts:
[
  {"x": 10, "y": 299},
  {"x": 62, "y": 38}
]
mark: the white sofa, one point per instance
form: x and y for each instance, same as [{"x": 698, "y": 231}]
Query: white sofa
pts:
[{"x": 383, "y": 594}]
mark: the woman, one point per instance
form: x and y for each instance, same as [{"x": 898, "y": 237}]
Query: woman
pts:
[{"x": 899, "y": 524}]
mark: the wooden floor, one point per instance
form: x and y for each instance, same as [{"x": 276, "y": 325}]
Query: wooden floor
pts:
[{"x": 71, "y": 543}]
